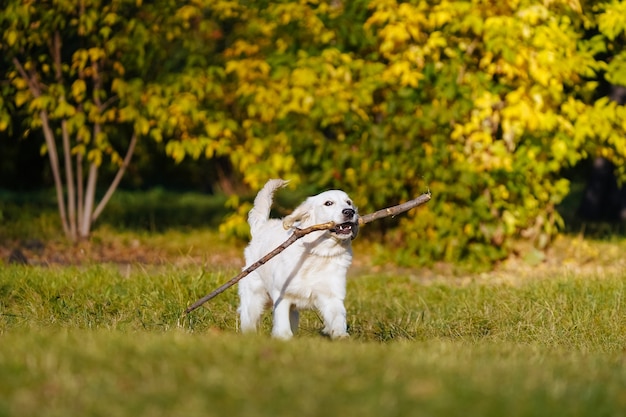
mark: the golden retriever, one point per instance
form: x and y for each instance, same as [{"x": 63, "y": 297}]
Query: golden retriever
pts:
[{"x": 309, "y": 274}]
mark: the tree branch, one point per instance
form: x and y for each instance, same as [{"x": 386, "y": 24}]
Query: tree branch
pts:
[
  {"x": 117, "y": 179},
  {"x": 90, "y": 192},
  {"x": 298, "y": 233},
  {"x": 33, "y": 86},
  {"x": 80, "y": 185},
  {"x": 35, "y": 89},
  {"x": 56, "y": 171},
  {"x": 55, "y": 50},
  {"x": 90, "y": 195}
]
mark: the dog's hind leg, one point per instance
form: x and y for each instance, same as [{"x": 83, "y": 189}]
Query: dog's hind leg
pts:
[
  {"x": 282, "y": 324},
  {"x": 252, "y": 301}
]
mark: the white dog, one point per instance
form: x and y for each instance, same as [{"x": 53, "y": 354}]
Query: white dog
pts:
[{"x": 309, "y": 274}]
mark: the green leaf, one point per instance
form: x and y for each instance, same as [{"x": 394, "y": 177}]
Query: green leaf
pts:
[{"x": 63, "y": 110}]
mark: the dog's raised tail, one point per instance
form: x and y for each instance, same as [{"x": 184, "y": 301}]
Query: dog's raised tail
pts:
[{"x": 260, "y": 213}]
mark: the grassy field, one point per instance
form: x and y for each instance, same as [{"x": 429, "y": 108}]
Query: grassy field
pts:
[
  {"x": 96, "y": 329},
  {"x": 109, "y": 339}
]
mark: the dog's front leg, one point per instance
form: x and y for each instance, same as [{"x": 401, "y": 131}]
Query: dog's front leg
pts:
[
  {"x": 281, "y": 328},
  {"x": 334, "y": 315}
]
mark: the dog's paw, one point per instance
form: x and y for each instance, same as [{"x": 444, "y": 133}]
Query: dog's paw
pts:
[
  {"x": 284, "y": 335},
  {"x": 335, "y": 334}
]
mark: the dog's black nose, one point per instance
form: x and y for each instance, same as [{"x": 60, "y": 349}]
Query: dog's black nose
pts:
[{"x": 348, "y": 213}]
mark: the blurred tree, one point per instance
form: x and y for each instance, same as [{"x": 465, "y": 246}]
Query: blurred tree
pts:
[
  {"x": 482, "y": 101},
  {"x": 95, "y": 76}
]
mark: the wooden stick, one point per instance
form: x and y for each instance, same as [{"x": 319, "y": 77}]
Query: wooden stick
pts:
[
  {"x": 395, "y": 210},
  {"x": 298, "y": 233}
]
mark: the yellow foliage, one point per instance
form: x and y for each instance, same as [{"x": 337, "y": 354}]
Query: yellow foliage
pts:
[
  {"x": 613, "y": 20},
  {"x": 303, "y": 77},
  {"x": 96, "y": 54},
  {"x": 142, "y": 126},
  {"x": 94, "y": 156},
  {"x": 403, "y": 72},
  {"x": 79, "y": 88},
  {"x": 248, "y": 69},
  {"x": 187, "y": 12},
  {"x": 486, "y": 101},
  {"x": 63, "y": 110},
  {"x": 22, "y": 97},
  {"x": 241, "y": 47}
]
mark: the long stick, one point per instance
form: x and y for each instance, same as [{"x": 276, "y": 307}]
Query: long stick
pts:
[
  {"x": 395, "y": 210},
  {"x": 298, "y": 233}
]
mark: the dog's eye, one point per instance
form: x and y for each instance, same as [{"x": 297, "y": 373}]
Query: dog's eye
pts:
[
  {"x": 329, "y": 203},
  {"x": 349, "y": 202}
]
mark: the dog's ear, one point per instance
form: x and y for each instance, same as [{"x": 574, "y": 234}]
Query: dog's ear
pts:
[{"x": 301, "y": 214}]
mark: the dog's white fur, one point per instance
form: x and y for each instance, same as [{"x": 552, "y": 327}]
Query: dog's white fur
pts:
[{"x": 309, "y": 274}]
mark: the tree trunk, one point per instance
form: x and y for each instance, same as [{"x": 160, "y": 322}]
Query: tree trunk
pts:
[
  {"x": 117, "y": 179},
  {"x": 56, "y": 173},
  {"x": 55, "y": 50},
  {"x": 90, "y": 196},
  {"x": 80, "y": 186},
  {"x": 80, "y": 212},
  {"x": 48, "y": 134},
  {"x": 69, "y": 179}
]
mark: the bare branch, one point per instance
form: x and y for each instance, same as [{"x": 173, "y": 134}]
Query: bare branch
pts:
[
  {"x": 90, "y": 192},
  {"x": 298, "y": 233},
  {"x": 80, "y": 176},
  {"x": 35, "y": 89},
  {"x": 56, "y": 171},
  {"x": 80, "y": 185},
  {"x": 97, "y": 86},
  {"x": 55, "y": 50},
  {"x": 107, "y": 103},
  {"x": 33, "y": 85},
  {"x": 117, "y": 179},
  {"x": 90, "y": 195},
  {"x": 69, "y": 178}
]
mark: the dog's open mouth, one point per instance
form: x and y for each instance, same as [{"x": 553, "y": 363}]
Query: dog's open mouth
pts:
[{"x": 343, "y": 228}]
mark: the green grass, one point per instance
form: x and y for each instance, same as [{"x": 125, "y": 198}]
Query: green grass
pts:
[{"x": 110, "y": 340}]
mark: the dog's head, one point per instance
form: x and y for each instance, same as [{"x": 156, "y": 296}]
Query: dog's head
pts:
[{"x": 329, "y": 206}]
